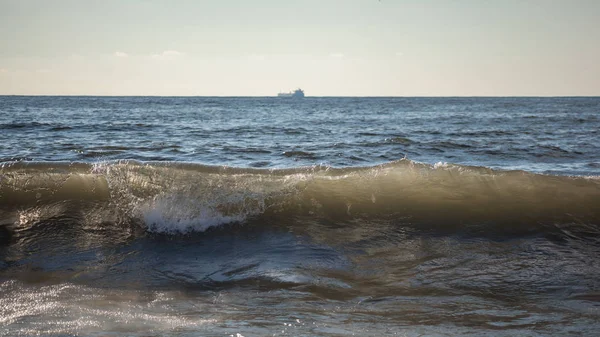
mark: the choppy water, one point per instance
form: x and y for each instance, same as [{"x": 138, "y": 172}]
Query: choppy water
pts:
[{"x": 150, "y": 216}]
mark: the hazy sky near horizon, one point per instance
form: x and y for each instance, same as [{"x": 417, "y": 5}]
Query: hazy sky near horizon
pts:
[{"x": 327, "y": 47}]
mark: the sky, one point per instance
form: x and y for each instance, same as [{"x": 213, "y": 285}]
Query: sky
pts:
[{"x": 326, "y": 47}]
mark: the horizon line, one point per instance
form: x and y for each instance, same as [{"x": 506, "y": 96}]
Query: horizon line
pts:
[{"x": 312, "y": 96}]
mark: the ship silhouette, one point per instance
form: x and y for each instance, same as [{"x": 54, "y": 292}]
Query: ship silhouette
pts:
[{"x": 298, "y": 93}]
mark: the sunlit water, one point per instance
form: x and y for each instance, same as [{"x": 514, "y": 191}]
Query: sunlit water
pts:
[{"x": 152, "y": 216}]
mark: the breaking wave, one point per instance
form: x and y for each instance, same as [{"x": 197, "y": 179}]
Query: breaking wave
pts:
[{"x": 171, "y": 197}]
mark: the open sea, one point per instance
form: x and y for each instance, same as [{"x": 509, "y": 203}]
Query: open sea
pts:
[{"x": 211, "y": 216}]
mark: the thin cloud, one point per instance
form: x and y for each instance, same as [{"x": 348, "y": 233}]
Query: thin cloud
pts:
[
  {"x": 168, "y": 54},
  {"x": 120, "y": 54},
  {"x": 3, "y": 70},
  {"x": 257, "y": 57},
  {"x": 172, "y": 53},
  {"x": 75, "y": 56},
  {"x": 336, "y": 55},
  {"x": 399, "y": 53}
]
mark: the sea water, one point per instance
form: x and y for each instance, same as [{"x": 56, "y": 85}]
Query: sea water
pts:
[{"x": 210, "y": 216}]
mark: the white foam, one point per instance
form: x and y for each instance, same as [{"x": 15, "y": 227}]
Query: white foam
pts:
[
  {"x": 166, "y": 214},
  {"x": 440, "y": 165}
]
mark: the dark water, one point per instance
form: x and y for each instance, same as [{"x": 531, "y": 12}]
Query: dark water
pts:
[{"x": 150, "y": 216}]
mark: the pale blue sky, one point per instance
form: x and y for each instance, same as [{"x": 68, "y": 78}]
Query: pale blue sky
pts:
[{"x": 327, "y": 47}]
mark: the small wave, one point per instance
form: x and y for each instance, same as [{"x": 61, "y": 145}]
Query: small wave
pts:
[
  {"x": 300, "y": 154},
  {"x": 22, "y": 125},
  {"x": 389, "y": 141},
  {"x": 295, "y": 131},
  {"x": 398, "y": 140},
  {"x": 61, "y": 128},
  {"x": 239, "y": 149},
  {"x": 449, "y": 145},
  {"x": 483, "y": 133},
  {"x": 99, "y": 154},
  {"x": 113, "y": 148},
  {"x": 554, "y": 151}
]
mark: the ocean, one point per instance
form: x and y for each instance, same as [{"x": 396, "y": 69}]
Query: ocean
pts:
[{"x": 323, "y": 216}]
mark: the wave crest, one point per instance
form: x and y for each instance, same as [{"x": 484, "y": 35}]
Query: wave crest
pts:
[{"x": 183, "y": 197}]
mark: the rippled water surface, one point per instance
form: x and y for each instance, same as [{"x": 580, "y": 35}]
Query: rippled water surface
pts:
[
  {"x": 555, "y": 135},
  {"x": 185, "y": 216}
]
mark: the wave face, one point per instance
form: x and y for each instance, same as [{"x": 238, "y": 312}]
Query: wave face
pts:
[
  {"x": 134, "y": 248},
  {"x": 181, "y": 198}
]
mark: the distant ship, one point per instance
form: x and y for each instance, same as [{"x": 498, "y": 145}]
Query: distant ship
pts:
[{"x": 298, "y": 93}]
